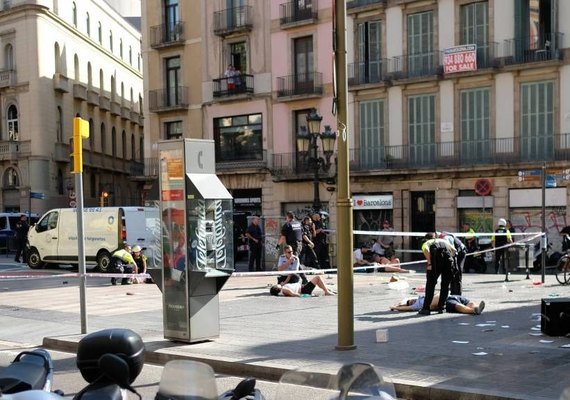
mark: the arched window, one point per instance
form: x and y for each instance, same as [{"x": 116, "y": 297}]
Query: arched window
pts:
[
  {"x": 133, "y": 150},
  {"x": 111, "y": 40},
  {"x": 57, "y": 58},
  {"x": 76, "y": 67},
  {"x": 8, "y": 57},
  {"x": 114, "y": 142},
  {"x": 130, "y": 55},
  {"x": 122, "y": 93},
  {"x": 103, "y": 138},
  {"x": 59, "y": 122},
  {"x": 88, "y": 23},
  {"x": 113, "y": 88},
  {"x": 12, "y": 120},
  {"x": 139, "y": 62},
  {"x": 59, "y": 181},
  {"x": 89, "y": 76},
  {"x": 74, "y": 15},
  {"x": 132, "y": 98},
  {"x": 11, "y": 178},
  {"x": 91, "y": 135},
  {"x": 140, "y": 104},
  {"x": 124, "y": 144},
  {"x": 121, "y": 48},
  {"x": 101, "y": 81},
  {"x": 141, "y": 148},
  {"x": 100, "y": 33}
]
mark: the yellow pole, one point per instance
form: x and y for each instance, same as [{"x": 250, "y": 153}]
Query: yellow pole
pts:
[{"x": 345, "y": 277}]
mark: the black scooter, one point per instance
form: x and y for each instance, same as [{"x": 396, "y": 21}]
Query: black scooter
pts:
[{"x": 30, "y": 370}]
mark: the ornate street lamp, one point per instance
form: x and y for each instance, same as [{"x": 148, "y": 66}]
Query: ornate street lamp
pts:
[{"x": 307, "y": 144}]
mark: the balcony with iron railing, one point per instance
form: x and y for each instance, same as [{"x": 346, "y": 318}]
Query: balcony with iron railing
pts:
[
  {"x": 167, "y": 35},
  {"x": 411, "y": 66},
  {"x": 13, "y": 150},
  {"x": 467, "y": 153},
  {"x": 233, "y": 20},
  {"x": 365, "y": 72},
  {"x": 300, "y": 84},
  {"x": 353, "y": 5},
  {"x": 293, "y": 14},
  {"x": 233, "y": 86},
  {"x": 168, "y": 99},
  {"x": 296, "y": 166},
  {"x": 230, "y": 160},
  {"x": 533, "y": 49},
  {"x": 144, "y": 170}
]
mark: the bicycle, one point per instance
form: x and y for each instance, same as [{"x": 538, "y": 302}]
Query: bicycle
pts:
[{"x": 563, "y": 270}]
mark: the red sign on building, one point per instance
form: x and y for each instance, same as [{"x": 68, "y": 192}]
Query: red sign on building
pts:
[{"x": 460, "y": 59}]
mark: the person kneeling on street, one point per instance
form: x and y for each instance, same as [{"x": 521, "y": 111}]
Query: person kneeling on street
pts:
[
  {"x": 454, "y": 304},
  {"x": 124, "y": 263},
  {"x": 298, "y": 289}
]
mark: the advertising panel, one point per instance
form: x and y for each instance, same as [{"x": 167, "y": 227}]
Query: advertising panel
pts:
[{"x": 460, "y": 59}]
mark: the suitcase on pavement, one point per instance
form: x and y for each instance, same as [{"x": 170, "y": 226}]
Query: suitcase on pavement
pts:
[{"x": 555, "y": 316}]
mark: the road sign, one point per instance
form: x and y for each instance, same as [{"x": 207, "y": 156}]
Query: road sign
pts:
[{"x": 37, "y": 195}]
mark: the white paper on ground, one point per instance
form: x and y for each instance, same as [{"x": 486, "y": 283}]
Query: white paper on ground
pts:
[
  {"x": 546, "y": 341},
  {"x": 481, "y": 353},
  {"x": 460, "y": 341}
]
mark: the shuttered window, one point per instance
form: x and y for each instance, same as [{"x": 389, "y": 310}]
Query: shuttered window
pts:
[
  {"x": 537, "y": 120},
  {"x": 372, "y": 133},
  {"x": 421, "y": 129},
  {"x": 475, "y": 125}
]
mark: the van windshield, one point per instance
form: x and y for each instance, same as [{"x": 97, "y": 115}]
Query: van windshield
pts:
[{"x": 48, "y": 222}]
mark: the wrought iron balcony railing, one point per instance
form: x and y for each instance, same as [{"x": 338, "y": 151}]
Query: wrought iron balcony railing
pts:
[
  {"x": 463, "y": 153},
  {"x": 292, "y": 12},
  {"x": 240, "y": 161},
  {"x": 238, "y": 84},
  {"x": 232, "y": 20},
  {"x": 364, "y": 72},
  {"x": 146, "y": 169},
  {"x": 167, "y": 34},
  {"x": 285, "y": 166},
  {"x": 175, "y": 98},
  {"x": 351, "y": 4},
  {"x": 300, "y": 84},
  {"x": 414, "y": 65},
  {"x": 534, "y": 48}
]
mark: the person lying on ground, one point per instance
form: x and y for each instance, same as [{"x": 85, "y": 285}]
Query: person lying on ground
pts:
[
  {"x": 297, "y": 289},
  {"x": 454, "y": 304}
]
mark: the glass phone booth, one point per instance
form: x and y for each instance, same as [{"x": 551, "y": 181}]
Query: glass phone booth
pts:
[{"x": 197, "y": 239}]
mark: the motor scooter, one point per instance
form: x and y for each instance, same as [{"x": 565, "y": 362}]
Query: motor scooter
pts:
[{"x": 30, "y": 370}]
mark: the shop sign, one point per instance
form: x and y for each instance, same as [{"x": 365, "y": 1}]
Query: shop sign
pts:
[{"x": 372, "y": 202}]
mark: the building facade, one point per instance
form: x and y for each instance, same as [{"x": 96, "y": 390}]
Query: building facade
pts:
[
  {"x": 62, "y": 59},
  {"x": 435, "y": 139}
]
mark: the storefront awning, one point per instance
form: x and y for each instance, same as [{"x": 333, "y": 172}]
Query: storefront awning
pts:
[{"x": 206, "y": 187}]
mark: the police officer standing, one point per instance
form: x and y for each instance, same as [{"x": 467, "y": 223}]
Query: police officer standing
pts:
[
  {"x": 456, "y": 286},
  {"x": 292, "y": 234},
  {"x": 439, "y": 254},
  {"x": 503, "y": 237},
  {"x": 22, "y": 229}
]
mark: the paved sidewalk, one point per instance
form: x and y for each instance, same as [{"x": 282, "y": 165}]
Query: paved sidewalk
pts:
[{"x": 431, "y": 357}]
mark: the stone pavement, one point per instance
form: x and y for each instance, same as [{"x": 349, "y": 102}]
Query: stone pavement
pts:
[{"x": 496, "y": 355}]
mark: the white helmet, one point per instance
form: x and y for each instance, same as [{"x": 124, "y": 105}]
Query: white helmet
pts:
[
  {"x": 502, "y": 222},
  {"x": 136, "y": 248}
]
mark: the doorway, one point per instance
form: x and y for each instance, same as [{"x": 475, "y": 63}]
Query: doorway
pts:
[{"x": 423, "y": 217}]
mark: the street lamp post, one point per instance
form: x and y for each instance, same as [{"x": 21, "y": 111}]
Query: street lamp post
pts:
[{"x": 307, "y": 143}]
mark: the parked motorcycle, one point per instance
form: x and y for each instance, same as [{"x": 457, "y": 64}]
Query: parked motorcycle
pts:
[
  {"x": 30, "y": 370},
  {"x": 552, "y": 257}
]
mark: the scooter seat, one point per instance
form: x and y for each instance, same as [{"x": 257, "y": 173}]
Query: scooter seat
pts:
[{"x": 22, "y": 376}]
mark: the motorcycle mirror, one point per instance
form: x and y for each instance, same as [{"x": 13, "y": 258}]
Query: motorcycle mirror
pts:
[{"x": 117, "y": 370}]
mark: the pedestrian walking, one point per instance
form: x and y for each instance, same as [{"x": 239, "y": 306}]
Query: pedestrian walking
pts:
[
  {"x": 254, "y": 236},
  {"x": 501, "y": 238},
  {"x": 22, "y": 227},
  {"x": 439, "y": 254}
]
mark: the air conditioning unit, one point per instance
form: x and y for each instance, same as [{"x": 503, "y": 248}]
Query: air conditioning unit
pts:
[{"x": 13, "y": 136}]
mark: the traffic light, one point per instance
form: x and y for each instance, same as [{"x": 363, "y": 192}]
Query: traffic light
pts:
[
  {"x": 80, "y": 132},
  {"x": 104, "y": 199}
]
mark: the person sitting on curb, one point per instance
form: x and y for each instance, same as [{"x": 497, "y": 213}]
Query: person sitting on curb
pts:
[
  {"x": 454, "y": 304},
  {"x": 297, "y": 289}
]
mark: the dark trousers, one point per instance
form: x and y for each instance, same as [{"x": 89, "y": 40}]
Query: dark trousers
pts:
[
  {"x": 501, "y": 259},
  {"x": 438, "y": 268},
  {"x": 309, "y": 257},
  {"x": 456, "y": 286},
  {"x": 20, "y": 250},
  {"x": 254, "y": 257},
  {"x": 322, "y": 251}
]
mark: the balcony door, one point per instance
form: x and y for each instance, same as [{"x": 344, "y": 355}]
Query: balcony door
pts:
[
  {"x": 370, "y": 50},
  {"x": 475, "y": 30},
  {"x": 537, "y": 121},
  {"x": 420, "y": 44},
  {"x": 235, "y": 13},
  {"x": 421, "y": 130},
  {"x": 303, "y": 67},
  {"x": 172, "y": 81},
  {"x": 302, "y": 10},
  {"x": 171, "y": 20}
]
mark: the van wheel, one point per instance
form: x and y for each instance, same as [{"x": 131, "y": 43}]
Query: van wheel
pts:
[
  {"x": 34, "y": 259},
  {"x": 104, "y": 261}
]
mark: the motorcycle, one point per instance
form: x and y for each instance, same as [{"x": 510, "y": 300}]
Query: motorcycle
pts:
[
  {"x": 352, "y": 381},
  {"x": 552, "y": 258},
  {"x": 30, "y": 370}
]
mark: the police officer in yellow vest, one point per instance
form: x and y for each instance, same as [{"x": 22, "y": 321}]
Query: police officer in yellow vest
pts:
[{"x": 502, "y": 238}]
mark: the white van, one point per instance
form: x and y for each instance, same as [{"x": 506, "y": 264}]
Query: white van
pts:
[{"x": 53, "y": 240}]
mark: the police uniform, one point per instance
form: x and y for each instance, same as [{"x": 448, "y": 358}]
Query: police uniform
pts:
[{"x": 441, "y": 257}]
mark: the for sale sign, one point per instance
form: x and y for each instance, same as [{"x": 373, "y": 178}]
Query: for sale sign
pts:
[{"x": 460, "y": 59}]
